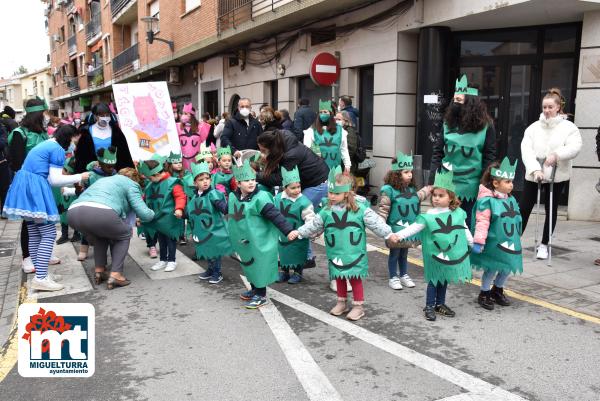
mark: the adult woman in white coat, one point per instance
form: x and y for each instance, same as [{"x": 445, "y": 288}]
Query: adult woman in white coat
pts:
[{"x": 551, "y": 141}]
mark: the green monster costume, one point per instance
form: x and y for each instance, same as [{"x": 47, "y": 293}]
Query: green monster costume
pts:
[
  {"x": 159, "y": 198},
  {"x": 221, "y": 177},
  {"x": 109, "y": 158},
  {"x": 292, "y": 253},
  {"x": 463, "y": 152},
  {"x": 405, "y": 204},
  {"x": 63, "y": 202},
  {"x": 206, "y": 222},
  {"x": 345, "y": 235},
  {"x": 32, "y": 139},
  {"x": 329, "y": 144},
  {"x": 502, "y": 251},
  {"x": 445, "y": 247},
  {"x": 253, "y": 237}
]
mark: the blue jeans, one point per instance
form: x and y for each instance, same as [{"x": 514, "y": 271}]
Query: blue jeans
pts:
[
  {"x": 488, "y": 277},
  {"x": 214, "y": 265},
  {"x": 167, "y": 248},
  {"x": 436, "y": 294},
  {"x": 315, "y": 195},
  {"x": 398, "y": 256}
]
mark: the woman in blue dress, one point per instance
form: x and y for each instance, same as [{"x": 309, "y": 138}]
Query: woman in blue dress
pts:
[{"x": 30, "y": 198}]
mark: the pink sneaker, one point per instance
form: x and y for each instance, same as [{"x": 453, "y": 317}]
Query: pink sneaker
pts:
[{"x": 152, "y": 252}]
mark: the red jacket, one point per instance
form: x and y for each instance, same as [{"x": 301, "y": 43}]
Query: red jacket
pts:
[{"x": 178, "y": 194}]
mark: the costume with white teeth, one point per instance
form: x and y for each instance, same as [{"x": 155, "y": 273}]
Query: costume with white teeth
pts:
[{"x": 400, "y": 202}]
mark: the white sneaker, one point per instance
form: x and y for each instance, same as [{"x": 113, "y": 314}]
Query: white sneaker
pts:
[
  {"x": 45, "y": 284},
  {"x": 55, "y": 277},
  {"x": 542, "y": 252},
  {"x": 27, "y": 265},
  {"x": 158, "y": 265},
  {"x": 395, "y": 283},
  {"x": 54, "y": 260},
  {"x": 407, "y": 281},
  {"x": 171, "y": 266}
]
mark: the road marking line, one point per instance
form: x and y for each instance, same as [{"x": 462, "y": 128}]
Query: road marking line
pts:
[
  {"x": 516, "y": 295},
  {"x": 472, "y": 397},
  {"x": 315, "y": 383},
  {"x": 440, "y": 369}
]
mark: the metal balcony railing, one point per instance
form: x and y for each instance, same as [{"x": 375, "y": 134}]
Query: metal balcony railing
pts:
[
  {"x": 95, "y": 77},
  {"x": 73, "y": 84},
  {"x": 234, "y": 12},
  {"x": 72, "y": 43},
  {"x": 117, "y": 5},
  {"x": 126, "y": 60},
  {"x": 94, "y": 27}
]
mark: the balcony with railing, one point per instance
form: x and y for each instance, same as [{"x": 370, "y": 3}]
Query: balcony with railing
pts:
[
  {"x": 72, "y": 43},
  {"x": 126, "y": 61},
  {"x": 95, "y": 77},
  {"x": 123, "y": 11},
  {"x": 235, "y": 12},
  {"x": 93, "y": 29},
  {"x": 73, "y": 84}
]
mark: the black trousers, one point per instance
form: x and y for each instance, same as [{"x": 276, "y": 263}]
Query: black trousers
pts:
[
  {"x": 4, "y": 182},
  {"x": 530, "y": 198}
]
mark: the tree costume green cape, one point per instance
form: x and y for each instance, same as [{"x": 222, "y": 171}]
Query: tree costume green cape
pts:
[
  {"x": 253, "y": 237},
  {"x": 159, "y": 197},
  {"x": 222, "y": 178},
  {"x": 404, "y": 209},
  {"x": 207, "y": 225},
  {"x": 463, "y": 155},
  {"x": 445, "y": 247},
  {"x": 329, "y": 146},
  {"x": 62, "y": 203},
  {"x": 32, "y": 139},
  {"x": 292, "y": 253},
  {"x": 502, "y": 251}
]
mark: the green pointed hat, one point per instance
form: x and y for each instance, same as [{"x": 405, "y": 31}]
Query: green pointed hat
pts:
[
  {"x": 69, "y": 165},
  {"x": 332, "y": 186},
  {"x": 324, "y": 105},
  {"x": 174, "y": 158},
  {"x": 222, "y": 151},
  {"x": 245, "y": 172},
  {"x": 506, "y": 171},
  {"x": 290, "y": 176},
  {"x": 108, "y": 157},
  {"x": 204, "y": 153},
  {"x": 462, "y": 87},
  {"x": 199, "y": 168},
  {"x": 147, "y": 171},
  {"x": 403, "y": 162},
  {"x": 443, "y": 179}
]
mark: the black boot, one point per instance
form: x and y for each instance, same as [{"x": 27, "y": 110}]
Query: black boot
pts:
[
  {"x": 76, "y": 237},
  {"x": 499, "y": 297},
  {"x": 485, "y": 300},
  {"x": 63, "y": 239}
]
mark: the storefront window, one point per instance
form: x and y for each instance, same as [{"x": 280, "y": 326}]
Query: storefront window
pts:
[
  {"x": 499, "y": 44},
  {"x": 558, "y": 73},
  {"x": 560, "y": 39}
]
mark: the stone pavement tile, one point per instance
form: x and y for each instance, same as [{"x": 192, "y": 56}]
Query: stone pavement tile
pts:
[
  {"x": 566, "y": 281},
  {"x": 540, "y": 268},
  {"x": 594, "y": 297},
  {"x": 593, "y": 288}
]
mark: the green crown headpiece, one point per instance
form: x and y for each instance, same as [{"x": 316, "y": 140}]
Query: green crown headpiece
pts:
[
  {"x": 147, "y": 171},
  {"x": 403, "y": 162},
  {"x": 332, "y": 186},
  {"x": 199, "y": 168},
  {"x": 108, "y": 157},
  {"x": 506, "y": 171},
  {"x": 245, "y": 172},
  {"x": 443, "y": 179},
  {"x": 69, "y": 165},
  {"x": 204, "y": 153},
  {"x": 462, "y": 87},
  {"x": 222, "y": 151},
  {"x": 174, "y": 158},
  {"x": 290, "y": 176},
  {"x": 40, "y": 107},
  {"x": 324, "y": 105}
]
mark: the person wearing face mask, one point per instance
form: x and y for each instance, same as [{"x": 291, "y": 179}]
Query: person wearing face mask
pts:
[
  {"x": 551, "y": 142},
  {"x": 467, "y": 145},
  {"x": 328, "y": 139},
  {"x": 101, "y": 130},
  {"x": 241, "y": 131}
]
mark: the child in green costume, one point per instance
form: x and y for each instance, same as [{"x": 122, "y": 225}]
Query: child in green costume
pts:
[
  {"x": 205, "y": 215},
  {"x": 253, "y": 221},
  {"x": 104, "y": 167},
  {"x": 174, "y": 166},
  {"x": 446, "y": 240},
  {"x": 297, "y": 209},
  {"x": 164, "y": 195},
  {"x": 344, "y": 221},
  {"x": 64, "y": 196},
  {"x": 497, "y": 223},
  {"x": 223, "y": 178},
  {"x": 399, "y": 205}
]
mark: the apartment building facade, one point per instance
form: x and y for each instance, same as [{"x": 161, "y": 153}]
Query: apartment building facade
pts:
[
  {"x": 15, "y": 91},
  {"x": 392, "y": 53}
]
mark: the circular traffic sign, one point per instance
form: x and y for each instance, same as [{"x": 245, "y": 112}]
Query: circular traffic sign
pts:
[{"x": 324, "y": 69}]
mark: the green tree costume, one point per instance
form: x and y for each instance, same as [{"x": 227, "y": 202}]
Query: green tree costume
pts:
[
  {"x": 404, "y": 209},
  {"x": 32, "y": 139},
  {"x": 445, "y": 247},
  {"x": 292, "y": 253},
  {"x": 222, "y": 178},
  {"x": 254, "y": 238},
  {"x": 207, "y": 225},
  {"x": 329, "y": 146},
  {"x": 62, "y": 203},
  {"x": 159, "y": 198},
  {"x": 463, "y": 155}
]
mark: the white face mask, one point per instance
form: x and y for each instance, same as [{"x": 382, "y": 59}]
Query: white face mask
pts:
[
  {"x": 46, "y": 121},
  {"x": 245, "y": 112},
  {"x": 103, "y": 121}
]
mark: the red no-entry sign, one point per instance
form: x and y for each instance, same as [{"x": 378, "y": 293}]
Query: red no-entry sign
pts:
[{"x": 324, "y": 69}]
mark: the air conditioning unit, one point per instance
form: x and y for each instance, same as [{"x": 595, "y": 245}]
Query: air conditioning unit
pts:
[{"x": 56, "y": 38}]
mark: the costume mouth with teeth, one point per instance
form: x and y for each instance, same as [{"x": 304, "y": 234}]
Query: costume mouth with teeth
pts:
[{"x": 404, "y": 209}]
